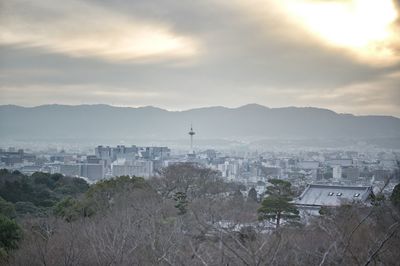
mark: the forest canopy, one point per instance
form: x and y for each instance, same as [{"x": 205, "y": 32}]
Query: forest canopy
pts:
[{"x": 186, "y": 216}]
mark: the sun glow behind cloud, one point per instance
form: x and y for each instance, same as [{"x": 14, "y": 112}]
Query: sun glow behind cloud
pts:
[
  {"x": 92, "y": 32},
  {"x": 336, "y": 54},
  {"x": 364, "y": 27}
]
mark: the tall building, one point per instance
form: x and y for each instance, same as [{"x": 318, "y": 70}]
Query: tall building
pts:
[
  {"x": 155, "y": 153},
  {"x": 112, "y": 153}
]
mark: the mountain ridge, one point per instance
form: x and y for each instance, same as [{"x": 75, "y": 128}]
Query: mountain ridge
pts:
[
  {"x": 251, "y": 105},
  {"x": 249, "y": 121}
]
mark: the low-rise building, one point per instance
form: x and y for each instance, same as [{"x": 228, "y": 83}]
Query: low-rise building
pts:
[{"x": 316, "y": 196}]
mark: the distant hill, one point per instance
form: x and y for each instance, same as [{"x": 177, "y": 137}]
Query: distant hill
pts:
[{"x": 250, "y": 122}]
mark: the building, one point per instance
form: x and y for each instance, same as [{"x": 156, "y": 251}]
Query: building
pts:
[
  {"x": 341, "y": 162},
  {"x": 308, "y": 165},
  {"x": 381, "y": 175},
  {"x": 93, "y": 159},
  {"x": 11, "y": 157},
  {"x": 103, "y": 152},
  {"x": 350, "y": 172},
  {"x": 92, "y": 171},
  {"x": 337, "y": 172},
  {"x": 142, "y": 168},
  {"x": 70, "y": 169},
  {"x": 316, "y": 196},
  {"x": 155, "y": 153}
]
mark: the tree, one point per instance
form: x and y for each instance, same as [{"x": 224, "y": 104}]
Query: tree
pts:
[
  {"x": 395, "y": 197},
  {"x": 181, "y": 202},
  {"x": 7, "y": 208},
  {"x": 237, "y": 195},
  {"x": 277, "y": 205},
  {"x": 26, "y": 207},
  {"x": 68, "y": 208},
  {"x": 192, "y": 179},
  {"x": 253, "y": 195},
  {"x": 10, "y": 234},
  {"x": 40, "y": 191}
]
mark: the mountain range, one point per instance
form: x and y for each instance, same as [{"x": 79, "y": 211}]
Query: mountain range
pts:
[{"x": 250, "y": 122}]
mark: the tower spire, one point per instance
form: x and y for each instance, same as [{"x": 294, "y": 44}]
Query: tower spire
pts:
[{"x": 191, "y": 133}]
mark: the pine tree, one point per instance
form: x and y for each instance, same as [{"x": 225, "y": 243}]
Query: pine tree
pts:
[
  {"x": 395, "y": 197},
  {"x": 253, "y": 195},
  {"x": 277, "y": 205},
  {"x": 181, "y": 202}
]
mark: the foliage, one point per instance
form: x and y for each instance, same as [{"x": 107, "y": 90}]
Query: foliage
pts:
[
  {"x": 43, "y": 190},
  {"x": 324, "y": 211},
  {"x": 279, "y": 188},
  {"x": 277, "y": 208},
  {"x": 252, "y": 195},
  {"x": 141, "y": 227},
  {"x": 26, "y": 207},
  {"x": 116, "y": 184},
  {"x": 277, "y": 205},
  {"x": 102, "y": 193},
  {"x": 100, "y": 197},
  {"x": 377, "y": 199},
  {"x": 192, "y": 179},
  {"x": 7, "y": 208},
  {"x": 71, "y": 209},
  {"x": 10, "y": 234},
  {"x": 181, "y": 202},
  {"x": 395, "y": 196}
]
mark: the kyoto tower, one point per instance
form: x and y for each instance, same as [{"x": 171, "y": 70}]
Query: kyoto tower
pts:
[{"x": 191, "y": 133}]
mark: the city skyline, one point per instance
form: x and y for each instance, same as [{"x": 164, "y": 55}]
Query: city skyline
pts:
[{"x": 180, "y": 56}]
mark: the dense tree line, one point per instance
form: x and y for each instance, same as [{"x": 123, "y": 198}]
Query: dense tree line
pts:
[
  {"x": 24, "y": 197},
  {"x": 38, "y": 191},
  {"x": 189, "y": 216}
]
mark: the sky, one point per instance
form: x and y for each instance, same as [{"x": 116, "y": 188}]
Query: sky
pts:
[{"x": 342, "y": 55}]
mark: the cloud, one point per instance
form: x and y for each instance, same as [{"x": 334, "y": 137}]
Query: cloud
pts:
[
  {"x": 381, "y": 96},
  {"x": 80, "y": 29},
  {"x": 366, "y": 28},
  {"x": 215, "y": 53},
  {"x": 32, "y": 95}
]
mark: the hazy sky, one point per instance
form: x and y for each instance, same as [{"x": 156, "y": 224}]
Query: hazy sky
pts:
[{"x": 338, "y": 54}]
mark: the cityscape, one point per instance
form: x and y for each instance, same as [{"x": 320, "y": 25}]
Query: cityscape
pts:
[
  {"x": 375, "y": 168},
  {"x": 200, "y": 133}
]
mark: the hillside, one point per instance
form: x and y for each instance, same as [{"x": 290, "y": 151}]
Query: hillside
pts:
[{"x": 249, "y": 122}]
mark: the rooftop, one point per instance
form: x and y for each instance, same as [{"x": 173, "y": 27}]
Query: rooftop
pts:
[{"x": 329, "y": 195}]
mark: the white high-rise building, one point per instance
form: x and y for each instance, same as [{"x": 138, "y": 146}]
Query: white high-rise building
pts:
[{"x": 142, "y": 168}]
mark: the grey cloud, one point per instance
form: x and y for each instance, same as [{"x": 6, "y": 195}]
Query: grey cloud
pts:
[{"x": 245, "y": 56}]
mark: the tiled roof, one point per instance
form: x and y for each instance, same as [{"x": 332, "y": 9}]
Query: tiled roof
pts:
[{"x": 326, "y": 195}]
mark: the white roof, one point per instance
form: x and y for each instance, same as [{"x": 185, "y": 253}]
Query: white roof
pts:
[{"x": 327, "y": 195}]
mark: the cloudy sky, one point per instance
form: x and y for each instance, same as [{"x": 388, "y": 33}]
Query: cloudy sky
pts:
[{"x": 338, "y": 54}]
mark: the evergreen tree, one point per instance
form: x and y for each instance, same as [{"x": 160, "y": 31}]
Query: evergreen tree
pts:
[
  {"x": 7, "y": 208},
  {"x": 252, "y": 195},
  {"x": 181, "y": 202},
  {"x": 395, "y": 197},
  {"x": 277, "y": 205},
  {"x": 10, "y": 234}
]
